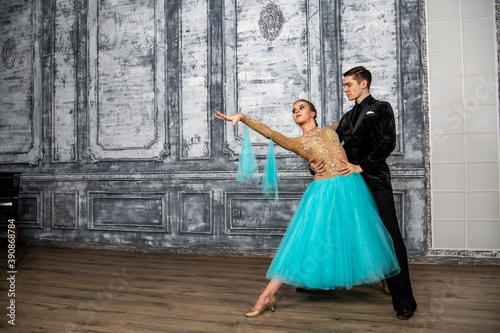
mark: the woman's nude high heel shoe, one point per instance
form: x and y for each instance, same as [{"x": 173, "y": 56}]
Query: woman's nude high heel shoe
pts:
[
  {"x": 386, "y": 288},
  {"x": 255, "y": 313}
]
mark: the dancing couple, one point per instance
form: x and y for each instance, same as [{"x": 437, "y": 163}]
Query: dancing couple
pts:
[{"x": 337, "y": 238}]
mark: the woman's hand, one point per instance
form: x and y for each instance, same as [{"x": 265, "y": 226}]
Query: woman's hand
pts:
[{"x": 233, "y": 118}]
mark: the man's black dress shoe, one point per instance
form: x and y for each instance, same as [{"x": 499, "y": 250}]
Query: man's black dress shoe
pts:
[{"x": 404, "y": 314}]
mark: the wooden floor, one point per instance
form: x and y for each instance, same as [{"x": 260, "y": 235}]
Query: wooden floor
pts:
[{"x": 81, "y": 290}]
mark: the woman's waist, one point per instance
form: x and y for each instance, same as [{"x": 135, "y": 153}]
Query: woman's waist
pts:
[{"x": 327, "y": 175}]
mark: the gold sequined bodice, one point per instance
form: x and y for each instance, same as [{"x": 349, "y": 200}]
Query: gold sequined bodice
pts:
[{"x": 318, "y": 144}]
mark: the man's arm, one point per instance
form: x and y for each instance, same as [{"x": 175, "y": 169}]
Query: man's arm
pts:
[
  {"x": 388, "y": 140},
  {"x": 346, "y": 168},
  {"x": 318, "y": 168}
]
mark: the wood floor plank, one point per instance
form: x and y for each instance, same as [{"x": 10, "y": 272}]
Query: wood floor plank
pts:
[{"x": 81, "y": 290}]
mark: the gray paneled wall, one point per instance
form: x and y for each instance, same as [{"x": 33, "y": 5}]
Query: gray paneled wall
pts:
[{"x": 107, "y": 108}]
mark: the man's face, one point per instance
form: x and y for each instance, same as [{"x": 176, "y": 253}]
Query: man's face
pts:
[{"x": 352, "y": 88}]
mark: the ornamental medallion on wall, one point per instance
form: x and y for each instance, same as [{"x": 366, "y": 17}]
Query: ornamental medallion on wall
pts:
[
  {"x": 271, "y": 21},
  {"x": 9, "y": 53}
]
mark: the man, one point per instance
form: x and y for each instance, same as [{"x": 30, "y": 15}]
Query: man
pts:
[{"x": 368, "y": 133}]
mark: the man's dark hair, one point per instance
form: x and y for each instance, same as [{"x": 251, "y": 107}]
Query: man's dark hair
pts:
[{"x": 359, "y": 74}]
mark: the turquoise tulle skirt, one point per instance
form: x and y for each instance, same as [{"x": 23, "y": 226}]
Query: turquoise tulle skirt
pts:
[{"x": 335, "y": 239}]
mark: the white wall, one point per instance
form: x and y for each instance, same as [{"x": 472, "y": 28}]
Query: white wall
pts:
[{"x": 464, "y": 129}]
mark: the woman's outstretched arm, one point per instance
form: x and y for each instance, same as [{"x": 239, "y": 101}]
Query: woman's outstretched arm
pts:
[
  {"x": 234, "y": 118},
  {"x": 292, "y": 144}
]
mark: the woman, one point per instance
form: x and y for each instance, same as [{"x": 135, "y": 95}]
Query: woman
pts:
[{"x": 335, "y": 238}]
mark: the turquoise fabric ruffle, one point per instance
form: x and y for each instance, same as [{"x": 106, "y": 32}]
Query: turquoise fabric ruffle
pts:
[
  {"x": 335, "y": 238},
  {"x": 248, "y": 170},
  {"x": 270, "y": 178}
]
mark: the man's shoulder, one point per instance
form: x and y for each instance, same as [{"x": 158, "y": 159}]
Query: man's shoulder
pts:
[
  {"x": 380, "y": 103},
  {"x": 381, "y": 106}
]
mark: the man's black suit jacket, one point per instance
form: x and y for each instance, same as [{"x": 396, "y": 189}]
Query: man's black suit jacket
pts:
[{"x": 370, "y": 141}]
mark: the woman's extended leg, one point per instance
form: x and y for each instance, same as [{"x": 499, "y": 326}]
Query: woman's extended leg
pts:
[{"x": 266, "y": 299}]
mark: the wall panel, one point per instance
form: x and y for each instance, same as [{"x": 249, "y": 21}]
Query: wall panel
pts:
[
  {"x": 196, "y": 213},
  {"x": 272, "y": 58},
  {"x": 20, "y": 83},
  {"x": 31, "y": 210},
  {"x": 128, "y": 211},
  {"x": 64, "y": 210},
  {"x": 252, "y": 214},
  {"x": 410, "y": 200},
  {"x": 366, "y": 27},
  {"x": 126, "y": 118},
  {"x": 64, "y": 115},
  {"x": 195, "y": 107}
]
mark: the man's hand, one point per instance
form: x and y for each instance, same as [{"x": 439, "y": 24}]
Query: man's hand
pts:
[
  {"x": 347, "y": 168},
  {"x": 318, "y": 168}
]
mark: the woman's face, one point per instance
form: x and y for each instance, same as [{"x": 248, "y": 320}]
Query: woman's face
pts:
[{"x": 302, "y": 113}]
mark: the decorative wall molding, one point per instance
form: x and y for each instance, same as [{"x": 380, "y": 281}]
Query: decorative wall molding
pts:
[
  {"x": 64, "y": 210},
  {"x": 399, "y": 201},
  {"x": 410, "y": 172},
  {"x": 250, "y": 213},
  {"x": 194, "y": 54},
  {"x": 133, "y": 212},
  {"x": 64, "y": 99},
  {"x": 208, "y": 175},
  {"x": 427, "y": 135},
  {"x": 127, "y": 118},
  {"x": 9, "y": 53},
  {"x": 196, "y": 212},
  {"x": 356, "y": 33},
  {"x": 264, "y": 76},
  {"x": 21, "y": 83},
  {"x": 271, "y": 21},
  {"x": 31, "y": 210},
  {"x": 465, "y": 253}
]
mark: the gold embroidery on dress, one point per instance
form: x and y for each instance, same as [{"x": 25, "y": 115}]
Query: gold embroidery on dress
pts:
[{"x": 318, "y": 144}]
